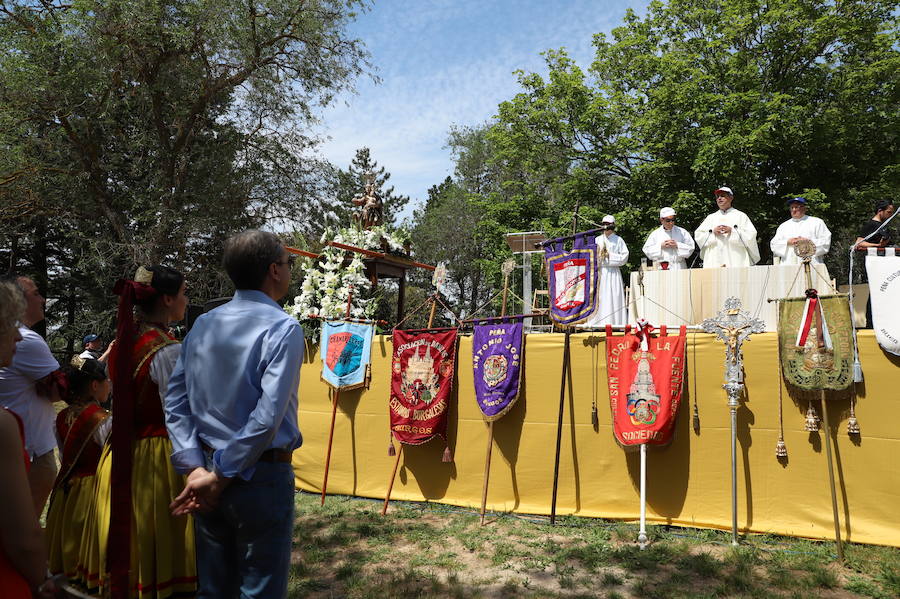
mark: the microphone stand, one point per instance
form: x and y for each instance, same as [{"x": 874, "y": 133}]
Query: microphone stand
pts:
[
  {"x": 700, "y": 249},
  {"x": 744, "y": 243}
]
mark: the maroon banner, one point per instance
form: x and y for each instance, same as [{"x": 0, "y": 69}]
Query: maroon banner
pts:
[
  {"x": 645, "y": 376},
  {"x": 421, "y": 379}
]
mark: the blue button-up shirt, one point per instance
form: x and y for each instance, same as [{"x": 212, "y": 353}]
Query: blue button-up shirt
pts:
[{"x": 234, "y": 387}]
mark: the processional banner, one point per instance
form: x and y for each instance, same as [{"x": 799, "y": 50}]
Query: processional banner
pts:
[
  {"x": 645, "y": 376},
  {"x": 815, "y": 340},
  {"x": 497, "y": 366},
  {"x": 422, "y": 371},
  {"x": 884, "y": 290},
  {"x": 345, "y": 348},
  {"x": 572, "y": 278}
]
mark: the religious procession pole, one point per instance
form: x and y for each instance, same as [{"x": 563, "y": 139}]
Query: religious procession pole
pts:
[
  {"x": 336, "y": 393},
  {"x": 438, "y": 278},
  {"x": 562, "y": 396},
  {"x": 733, "y": 326},
  {"x": 506, "y": 269},
  {"x": 806, "y": 254}
]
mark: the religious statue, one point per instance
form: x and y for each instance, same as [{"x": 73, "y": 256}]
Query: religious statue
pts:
[{"x": 371, "y": 212}]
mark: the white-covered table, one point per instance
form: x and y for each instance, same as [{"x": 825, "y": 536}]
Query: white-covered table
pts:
[{"x": 676, "y": 297}]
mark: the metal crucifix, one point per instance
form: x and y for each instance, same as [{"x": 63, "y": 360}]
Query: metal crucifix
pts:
[{"x": 733, "y": 326}]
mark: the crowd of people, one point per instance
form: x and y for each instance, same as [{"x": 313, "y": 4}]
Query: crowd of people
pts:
[
  {"x": 725, "y": 238},
  {"x": 168, "y": 451}
]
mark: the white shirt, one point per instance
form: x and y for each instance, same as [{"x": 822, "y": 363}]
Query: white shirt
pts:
[
  {"x": 810, "y": 227},
  {"x": 31, "y": 362},
  {"x": 674, "y": 256},
  {"x": 162, "y": 365},
  {"x": 737, "y": 248}
]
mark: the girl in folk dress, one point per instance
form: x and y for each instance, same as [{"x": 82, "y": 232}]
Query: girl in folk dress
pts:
[
  {"x": 156, "y": 548},
  {"x": 81, "y": 429}
]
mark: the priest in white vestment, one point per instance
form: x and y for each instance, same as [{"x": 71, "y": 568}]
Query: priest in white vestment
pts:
[
  {"x": 669, "y": 246},
  {"x": 612, "y": 253},
  {"x": 727, "y": 237},
  {"x": 800, "y": 227}
]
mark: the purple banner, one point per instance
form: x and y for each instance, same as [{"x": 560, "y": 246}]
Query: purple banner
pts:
[
  {"x": 497, "y": 363},
  {"x": 572, "y": 278}
]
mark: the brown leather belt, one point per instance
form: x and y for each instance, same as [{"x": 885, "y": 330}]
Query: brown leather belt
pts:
[
  {"x": 276, "y": 455},
  {"x": 273, "y": 455}
]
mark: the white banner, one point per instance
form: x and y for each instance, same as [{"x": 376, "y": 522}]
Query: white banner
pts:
[{"x": 884, "y": 291}]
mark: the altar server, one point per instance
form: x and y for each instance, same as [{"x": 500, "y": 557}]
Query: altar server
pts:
[
  {"x": 727, "y": 237},
  {"x": 612, "y": 253},
  {"x": 800, "y": 227},
  {"x": 669, "y": 245}
]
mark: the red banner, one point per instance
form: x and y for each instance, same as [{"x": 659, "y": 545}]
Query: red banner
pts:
[
  {"x": 421, "y": 379},
  {"x": 645, "y": 375}
]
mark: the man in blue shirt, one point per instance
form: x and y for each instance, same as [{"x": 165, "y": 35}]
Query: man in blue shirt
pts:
[{"x": 231, "y": 413}]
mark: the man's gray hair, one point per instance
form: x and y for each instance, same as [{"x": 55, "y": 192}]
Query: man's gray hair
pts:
[{"x": 247, "y": 257}]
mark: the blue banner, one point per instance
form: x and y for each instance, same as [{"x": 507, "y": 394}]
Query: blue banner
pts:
[{"x": 346, "y": 350}]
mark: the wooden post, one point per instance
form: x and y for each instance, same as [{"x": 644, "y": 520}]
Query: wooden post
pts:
[
  {"x": 487, "y": 469},
  {"x": 834, "y": 509},
  {"x": 387, "y": 497},
  {"x": 433, "y": 309}
]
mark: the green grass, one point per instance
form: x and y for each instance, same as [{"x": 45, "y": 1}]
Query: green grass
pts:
[{"x": 347, "y": 549}]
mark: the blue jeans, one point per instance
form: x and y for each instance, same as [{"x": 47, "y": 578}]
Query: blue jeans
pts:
[{"x": 244, "y": 544}]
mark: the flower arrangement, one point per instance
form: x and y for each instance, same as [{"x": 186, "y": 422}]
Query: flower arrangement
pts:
[{"x": 329, "y": 281}]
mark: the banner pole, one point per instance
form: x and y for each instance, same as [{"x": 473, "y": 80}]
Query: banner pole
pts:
[
  {"x": 642, "y": 535},
  {"x": 387, "y": 496},
  {"x": 827, "y": 429},
  {"x": 559, "y": 423},
  {"x": 334, "y": 404},
  {"x": 734, "y": 517},
  {"x": 433, "y": 310},
  {"x": 834, "y": 507},
  {"x": 487, "y": 469}
]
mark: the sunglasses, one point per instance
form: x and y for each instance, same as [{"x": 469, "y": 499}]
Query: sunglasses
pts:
[{"x": 669, "y": 220}]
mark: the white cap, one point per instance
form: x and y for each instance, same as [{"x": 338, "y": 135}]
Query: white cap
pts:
[
  {"x": 609, "y": 218},
  {"x": 667, "y": 211},
  {"x": 725, "y": 189}
]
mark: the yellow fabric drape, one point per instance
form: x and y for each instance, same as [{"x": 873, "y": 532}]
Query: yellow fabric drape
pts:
[{"x": 688, "y": 481}]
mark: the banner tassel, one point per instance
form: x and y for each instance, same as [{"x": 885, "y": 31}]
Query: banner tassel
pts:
[
  {"x": 448, "y": 457},
  {"x": 780, "y": 448},
  {"x": 391, "y": 451},
  {"x": 852, "y": 423}
]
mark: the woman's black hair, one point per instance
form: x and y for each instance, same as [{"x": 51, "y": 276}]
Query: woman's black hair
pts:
[
  {"x": 166, "y": 281},
  {"x": 80, "y": 378}
]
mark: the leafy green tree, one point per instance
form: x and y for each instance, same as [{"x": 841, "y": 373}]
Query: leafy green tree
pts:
[
  {"x": 768, "y": 98},
  {"x": 149, "y": 130}
]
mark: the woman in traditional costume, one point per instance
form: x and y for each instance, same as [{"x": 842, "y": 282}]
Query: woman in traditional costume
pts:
[
  {"x": 135, "y": 479},
  {"x": 81, "y": 430},
  {"x": 23, "y": 556}
]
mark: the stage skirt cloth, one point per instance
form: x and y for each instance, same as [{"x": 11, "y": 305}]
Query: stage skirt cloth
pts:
[
  {"x": 69, "y": 521},
  {"x": 162, "y": 546}
]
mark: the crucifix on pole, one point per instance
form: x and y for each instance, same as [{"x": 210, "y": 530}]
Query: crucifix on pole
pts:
[{"x": 733, "y": 326}]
